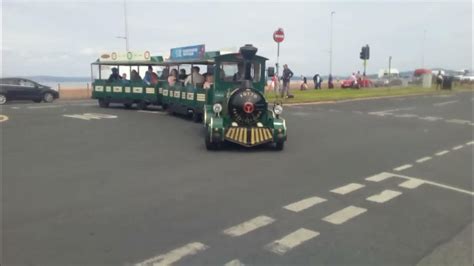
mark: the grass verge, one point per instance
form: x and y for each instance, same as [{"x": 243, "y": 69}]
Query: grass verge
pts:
[{"x": 347, "y": 94}]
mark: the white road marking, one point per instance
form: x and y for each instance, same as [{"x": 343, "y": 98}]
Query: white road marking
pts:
[
  {"x": 248, "y": 226},
  {"x": 470, "y": 143},
  {"x": 459, "y": 121},
  {"x": 411, "y": 184},
  {"x": 393, "y": 110},
  {"x": 431, "y": 118},
  {"x": 384, "y": 196},
  {"x": 437, "y": 184},
  {"x": 89, "y": 116},
  {"x": 441, "y": 153},
  {"x": 458, "y": 147},
  {"x": 44, "y": 106},
  {"x": 290, "y": 241},
  {"x": 15, "y": 107},
  {"x": 347, "y": 188},
  {"x": 379, "y": 177},
  {"x": 234, "y": 263},
  {"x": 174, "y": 255},
  {"x": 444, "y": 103},
  {"x": 304, "y": 204},
  {"x": 405, "y": 116},
  {"x": 424, "y": 159},
  {"x": 403, "y": 167},
  {"x": 150, "y": 112},
  {"x": 344, "y": 215}
]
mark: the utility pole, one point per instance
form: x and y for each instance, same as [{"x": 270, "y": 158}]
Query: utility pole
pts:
[
  {"x": 423, "y": 49},
  {"x": 330, "y": 43},
  {"x": 126, "y": 26},
  {"x": 389, "y": 67}
]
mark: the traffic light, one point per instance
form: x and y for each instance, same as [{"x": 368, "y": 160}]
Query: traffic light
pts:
[{"x": 365, "y": 53}]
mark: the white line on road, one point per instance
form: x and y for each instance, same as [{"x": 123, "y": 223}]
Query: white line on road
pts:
[
  {"x": 150, "y": 112},
  {"x": 411, "y": 184},
  {"x": 403, "y": 167},
  {"x": 290, "y": 241},
  {"x": 44, "y": 106},
  {"x": 248, "y": 226},
  {"x": 15, "y": 107},
  {"x": 304, "y": 204},
  {"x": 384, "y": 196},
  {"x": 459, "y": 121},
  {"x": 470, "y": 143},
  {"x": 441, "y": 153},
  {"x": 174, "y": 255},
  {"x": 430, "y": 118},
  {"x": 405, "y": 116},
  {"x": 444, "y": 103},
  {"x": 234, "y": 263},
  {"x": 379, "y": 177},
  {"x": 437, "y": 184},
  {"x": 344, "y": 215},
  {"x": 458, "y": 147},
  {"x": 347, "y": 188},
  {"x": 424, "y": 159}
]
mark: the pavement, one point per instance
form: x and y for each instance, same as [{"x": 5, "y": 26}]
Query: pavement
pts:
[{"x": 367, "y": 182}]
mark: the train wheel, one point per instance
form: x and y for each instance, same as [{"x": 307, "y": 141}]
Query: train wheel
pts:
[
  {"x": 279, "y": 146},
  {"x": 211, "y": 146},
  {"x": 197, "y": 117},
  {"x": 103, "y": 103},
  {"x": 142, "y": 105}
]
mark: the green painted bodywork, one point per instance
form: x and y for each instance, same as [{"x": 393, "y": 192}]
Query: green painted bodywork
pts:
[{"x": 195, "y": 100}]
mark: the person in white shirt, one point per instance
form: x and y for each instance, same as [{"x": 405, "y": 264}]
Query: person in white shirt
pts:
[{"x": 195, "y": 77}]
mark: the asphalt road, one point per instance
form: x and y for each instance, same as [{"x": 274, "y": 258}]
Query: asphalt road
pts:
[{"x": 370, "y": 182}]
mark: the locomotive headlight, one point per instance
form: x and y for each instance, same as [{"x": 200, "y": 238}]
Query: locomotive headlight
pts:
[
  {"x": 278, "y": 109},
  {"x": 217, "y": 108}
]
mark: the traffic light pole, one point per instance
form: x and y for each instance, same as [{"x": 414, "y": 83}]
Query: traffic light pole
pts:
[{"x": 365, "y": 66}]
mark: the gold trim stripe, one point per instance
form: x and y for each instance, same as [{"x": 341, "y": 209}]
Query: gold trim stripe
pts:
[{"x": 252, "y": 136}]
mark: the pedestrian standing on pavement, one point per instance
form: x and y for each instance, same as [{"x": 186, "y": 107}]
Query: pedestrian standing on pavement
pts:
[
  {"x": 317, "y": 81},
  {"x": 439, "y": 80},
  {"x": 304, "y": 85},
  {"x": 330, "y": 82},
  {"x": 287, "y": 75}
]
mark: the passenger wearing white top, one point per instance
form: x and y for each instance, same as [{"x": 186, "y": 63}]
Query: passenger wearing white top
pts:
[{"x": 195, "y": 77}]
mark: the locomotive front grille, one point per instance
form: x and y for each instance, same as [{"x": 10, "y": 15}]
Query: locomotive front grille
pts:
[{"x": 249, "y": 136}]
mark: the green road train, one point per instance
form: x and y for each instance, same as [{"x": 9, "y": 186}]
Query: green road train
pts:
[{"x": 223, "y": 91}]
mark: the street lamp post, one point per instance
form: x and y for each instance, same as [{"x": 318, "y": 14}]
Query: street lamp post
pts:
[
  {"x": 423, "y": 49},
  {"x": 126, "y": 26},
  {"x": 330, "y": 43}
]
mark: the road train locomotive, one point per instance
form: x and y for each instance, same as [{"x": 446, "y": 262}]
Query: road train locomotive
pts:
[{"x": 224, "y": 91}]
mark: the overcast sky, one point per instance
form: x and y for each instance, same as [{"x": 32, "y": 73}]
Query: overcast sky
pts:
[{"x": 64, "y": 37}]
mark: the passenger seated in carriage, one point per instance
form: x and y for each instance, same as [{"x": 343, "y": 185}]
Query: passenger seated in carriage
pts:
[
  {"x": 135, "y": 77},
  {"x": 173, "y": 77},
  {"x": 115, "y": 76},
  {"x": 209, "y": 81},
  {"x": 195, "y": 77}
]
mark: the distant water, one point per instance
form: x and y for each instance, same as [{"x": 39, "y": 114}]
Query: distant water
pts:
[{"x": 65, "y": 85}]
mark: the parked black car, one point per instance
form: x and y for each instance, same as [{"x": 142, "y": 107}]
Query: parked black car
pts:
[{"x": 24, "y": 89}]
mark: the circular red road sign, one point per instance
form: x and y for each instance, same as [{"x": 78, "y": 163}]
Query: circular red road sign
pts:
[{"x": 279, "y": 35}]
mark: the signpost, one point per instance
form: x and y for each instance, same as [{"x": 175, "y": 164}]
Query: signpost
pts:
[{"x": 278, "y": 37}]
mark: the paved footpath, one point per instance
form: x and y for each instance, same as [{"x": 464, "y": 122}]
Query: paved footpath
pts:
[{"x": 369, "y": 182}]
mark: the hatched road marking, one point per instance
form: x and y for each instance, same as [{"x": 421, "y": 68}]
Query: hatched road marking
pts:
[
  {"x": 347, "y": 188},
  {"x": 234, "y": 263},
  {"x": 344, "y": 215},
  {"x": 458, "y": 147},
  {"x": 411, "y": 184},
  {"x": 437, "y": 184},
  {"x": 174, "y": 255},
  {"x": 384, "y": 196},
  {"x": 290, "y": 241},
  {"x": 403, "y": 167},
  {"x": 441, "y": 153},
  {"x": 304, "y": 204},
  {"x": 379, "y": 177},
  {"x": 248, "y": 226}
]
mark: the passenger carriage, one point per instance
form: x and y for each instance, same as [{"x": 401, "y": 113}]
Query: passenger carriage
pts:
[{"x": 126, "y": 92}]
